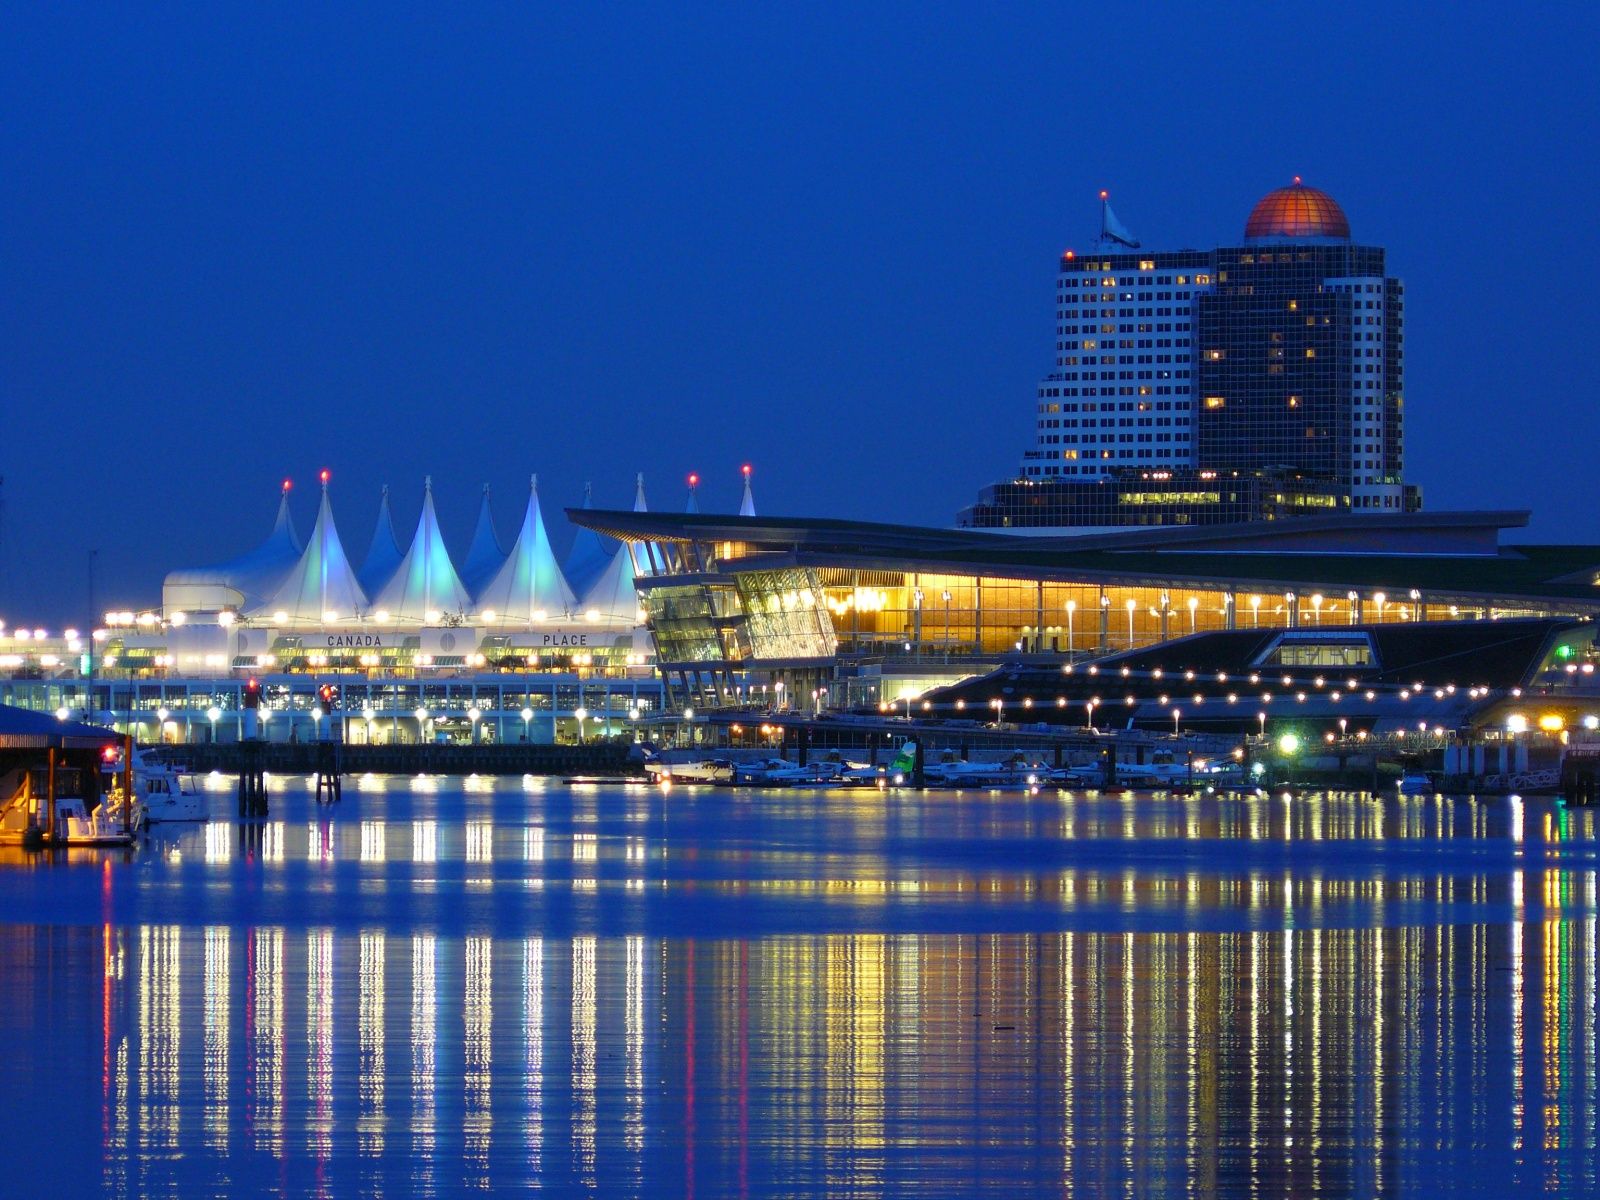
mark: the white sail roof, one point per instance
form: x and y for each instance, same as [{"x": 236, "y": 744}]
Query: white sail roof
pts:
[
  {"x": 529, "y": 582},
  {"x": 383, "y": 554},
  {"x": 613, "y": 593},
  {"x": 425, "y": 586},
  {"x": 321, "y": 582},
  {"x": 589, "y": 554},
  {"x": 485, "y": 555},
  {"x": 245, "y": 580}
]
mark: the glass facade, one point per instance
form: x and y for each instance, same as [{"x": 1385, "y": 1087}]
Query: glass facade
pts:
[{"x": 1165, "y": 497}]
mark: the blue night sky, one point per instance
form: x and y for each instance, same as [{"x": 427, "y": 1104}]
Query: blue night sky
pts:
[{"x": 239, "y": 244}]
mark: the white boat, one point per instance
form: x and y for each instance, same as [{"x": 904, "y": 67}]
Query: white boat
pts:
[
  {"x": 167, "y": 791},
  {"x": 1415, "y": 785},
  {"x": 78, "y": 825}
]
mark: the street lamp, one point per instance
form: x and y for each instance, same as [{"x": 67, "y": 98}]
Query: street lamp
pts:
[
  {"x": 777, "y": 687},
  {"x": 1089, "y": 705},
  {"x": 946, "y": 597},
  {"x": 1130, "y": 606},
  {"x": 1316, "y": 608},
  {"x": 422, "y": 723},
  {"x": 214, "y": 714},
  {"x": 474, "y": 715},
  {"x": 1380, "y": 599},
  {"x": 1255, "y": 612},
  {"x": 1194, "y": 603},
  {"x": 582, "y": 714},
  {"x": 1261, "y": 717},
  {"x": 1072, "y": 607},
  {"x": 527, "y": 719},
  {"x": 1176, "y": 713}
]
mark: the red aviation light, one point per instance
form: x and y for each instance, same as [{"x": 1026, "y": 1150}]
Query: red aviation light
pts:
[
  {"x": 1069, "y": 255},
  {"x": 287, "y": 484},
  {"x": 325, "y": 475},
  {"x": 694, "y": 480},
  {"x": 1104, "y": 195},
  {"x": 746, "y": 470}
]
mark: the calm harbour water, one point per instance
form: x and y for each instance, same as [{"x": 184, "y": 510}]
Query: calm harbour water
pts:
[{"x": 442, "y": 986}]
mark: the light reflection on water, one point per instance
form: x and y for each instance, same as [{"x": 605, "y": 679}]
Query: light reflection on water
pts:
[{"x": 821, "y": 994}]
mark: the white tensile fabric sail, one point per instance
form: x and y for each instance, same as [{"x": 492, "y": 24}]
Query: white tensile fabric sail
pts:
[
  {"x": 245, "y": 580},
  {"x": 322, "y": 585},
  {"x": 613, "y": 594},
  {"x": 529, "y": 583},
  {"x": 589, "y": 554},
  {"x": 426, "y": 585},
  {"x": 485, "y": 555},
  {"x": 1112, "y": 229},
  {"x": 383, "y": 555}
]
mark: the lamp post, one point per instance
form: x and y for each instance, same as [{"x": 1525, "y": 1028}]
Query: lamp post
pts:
[
  {"x": 1089, "y": 706},
  {"x": 1316, "y": 608},
  {"x": 527, "y": 720},
  {"x": 214, "y": 714},
  {"x": 474, "y": 715},
  {"x": 1262, "y": 718},
  {"x": 946, "y": 595},
  {"x": 778, "y": 688},
  {"x": 161, "y": 724},
  {"x": 422, "y": 723},
  {"x": 1176, "y": 713},
  {"x": 582, "y": 715},
  {"x": 999, "y": 709},
  {"x": 1194, "y": 603},
  {"x": 1072, "y": 607},
  {"x": 1380, "y": 599},
  {"x": 370, "y": 716},
  {"x": 1130, "y": 606},
  {"x": 1255, "y": 612}
]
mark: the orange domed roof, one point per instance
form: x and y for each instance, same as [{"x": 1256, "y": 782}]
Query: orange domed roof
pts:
[{"x": 1297, "y": 211}]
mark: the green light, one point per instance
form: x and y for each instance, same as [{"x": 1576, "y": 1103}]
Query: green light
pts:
[
  {"x": 1563, "y": 651},
  {"x": 1289, "y": 743}
]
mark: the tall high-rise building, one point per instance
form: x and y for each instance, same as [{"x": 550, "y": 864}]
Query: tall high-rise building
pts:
[{"x": 1276, "y": 364}]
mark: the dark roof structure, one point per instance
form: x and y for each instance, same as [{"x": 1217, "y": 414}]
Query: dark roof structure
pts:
[
  {"x": 1223, "y": 680},
  {"x": 24, "y": 729},
  {"x": 1445, "y": 553}
]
